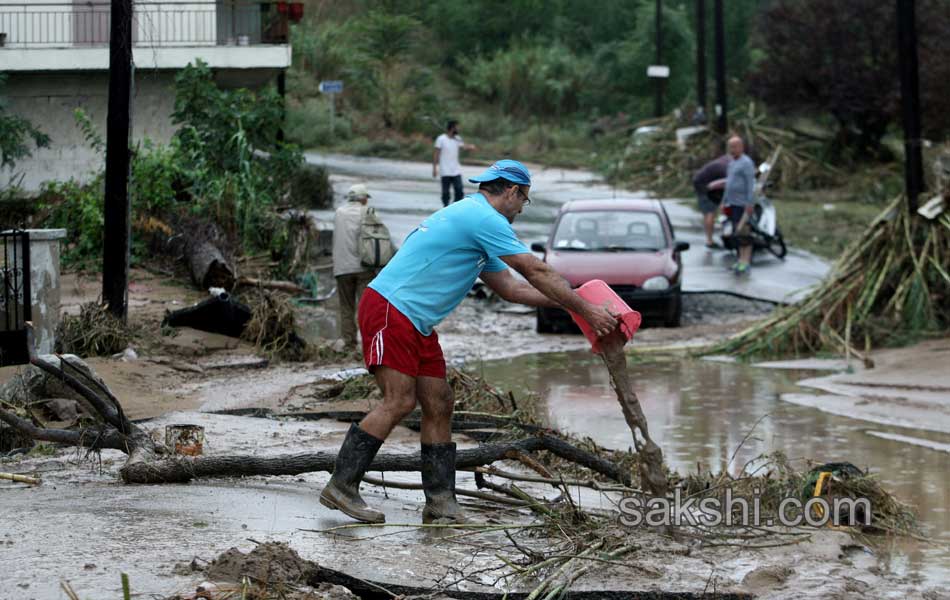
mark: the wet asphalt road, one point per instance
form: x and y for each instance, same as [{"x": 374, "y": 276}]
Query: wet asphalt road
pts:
[{"x": 404, "y": 193}]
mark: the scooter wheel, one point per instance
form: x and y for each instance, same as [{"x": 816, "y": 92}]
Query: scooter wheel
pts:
[{"x": 776, "y": 246}]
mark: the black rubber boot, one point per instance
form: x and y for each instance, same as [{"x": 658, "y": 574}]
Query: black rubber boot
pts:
[
  {"x": 343, "y": 491},
  {"x": 438, "y": 483}
]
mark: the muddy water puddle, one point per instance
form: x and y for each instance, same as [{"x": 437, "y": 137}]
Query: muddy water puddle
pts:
[{"x": 700, "y": 412}]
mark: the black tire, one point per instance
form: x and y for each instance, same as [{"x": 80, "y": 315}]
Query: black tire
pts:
[
  {"x": 544, "y": 325},
  {"x": 777, "y": 245},
  {"x": 675, "y": 315}
]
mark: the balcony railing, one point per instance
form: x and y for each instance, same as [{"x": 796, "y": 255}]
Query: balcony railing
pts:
[{"x": 155, "y": 23}]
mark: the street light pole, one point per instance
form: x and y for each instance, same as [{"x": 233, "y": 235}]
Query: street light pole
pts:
[
  {"x": 117, "y": 209},
  {"x": 659, "y": 57},
  {"x": 701, "y": 54},
  {"x": 722, "y": 123},
  {"x": 910, "y": 101}
]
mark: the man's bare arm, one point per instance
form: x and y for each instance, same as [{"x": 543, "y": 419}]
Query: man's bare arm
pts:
[
  {"x": 547, "y": 281},
  {"x": 514, "y": 290},
  {"x": 435, "y": 160}
]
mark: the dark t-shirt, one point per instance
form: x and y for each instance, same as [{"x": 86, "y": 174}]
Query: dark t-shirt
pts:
[{"x": 711, "y": 171}]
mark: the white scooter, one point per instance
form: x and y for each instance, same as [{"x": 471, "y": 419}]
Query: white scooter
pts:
[{"x": 766, "y": 234}]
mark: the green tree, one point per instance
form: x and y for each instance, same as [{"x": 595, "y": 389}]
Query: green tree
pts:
[
  {"x": 840, "y": 58},
  {"x": 391, "y": 84},
  {"x": 16, "y": 133}
]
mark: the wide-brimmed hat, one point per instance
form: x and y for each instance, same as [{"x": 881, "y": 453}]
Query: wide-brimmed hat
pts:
[
  {"x": 358, "y": 190},
  {"x": 507, "y": 169}
]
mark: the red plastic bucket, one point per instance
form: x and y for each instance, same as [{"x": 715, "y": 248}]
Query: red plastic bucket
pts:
[{"x": 599, "y": 293}]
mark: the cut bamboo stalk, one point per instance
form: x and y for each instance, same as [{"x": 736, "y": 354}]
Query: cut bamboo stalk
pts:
[{"x": 20, "y": 478}]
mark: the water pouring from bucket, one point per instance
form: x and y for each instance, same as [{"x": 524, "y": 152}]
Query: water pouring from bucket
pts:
[{"x": 652, "y": 470}]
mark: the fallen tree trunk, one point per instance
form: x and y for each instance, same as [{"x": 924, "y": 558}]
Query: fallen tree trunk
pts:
[
  {"x": 179, "y": 469},
  {"x": 208, "y": 266},
  {"x": 269, "y": 284}
]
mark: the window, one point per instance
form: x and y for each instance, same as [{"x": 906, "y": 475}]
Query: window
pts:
[{"x": 610, "y": 231}]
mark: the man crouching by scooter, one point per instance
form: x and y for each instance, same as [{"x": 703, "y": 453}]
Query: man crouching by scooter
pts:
[
  {"x": 740, "y": 197},
  {"x": 426, "y": 279}
]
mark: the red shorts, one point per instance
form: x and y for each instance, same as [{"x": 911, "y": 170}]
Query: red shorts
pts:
[{"x": 391, "y": 340}]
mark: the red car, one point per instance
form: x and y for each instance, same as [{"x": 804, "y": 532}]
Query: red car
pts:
[{"x": 627, "y": 243}]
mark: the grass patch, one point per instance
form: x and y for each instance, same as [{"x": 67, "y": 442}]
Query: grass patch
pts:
[{"x": 822, "y": 222}]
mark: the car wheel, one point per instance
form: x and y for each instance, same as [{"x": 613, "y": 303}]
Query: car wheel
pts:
[
  {"x": 675, "y": 315},
  {"x": 544, "y": 324}
]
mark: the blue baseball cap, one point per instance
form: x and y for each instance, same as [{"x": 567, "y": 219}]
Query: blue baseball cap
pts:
[{"x": 507, "y": 169}]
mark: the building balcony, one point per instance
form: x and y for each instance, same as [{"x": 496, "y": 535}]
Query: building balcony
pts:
[{"x": 169, "y": 34}]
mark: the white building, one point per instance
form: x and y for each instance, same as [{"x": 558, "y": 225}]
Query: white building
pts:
[{"x": 56, "y": 58}]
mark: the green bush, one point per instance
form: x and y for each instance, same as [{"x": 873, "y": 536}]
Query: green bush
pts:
[
  {"x": 224, "y": 165},
  {"x": 77, "y": 208},
  {"x": 311, "y": 188},
  {"x": 156, "y": 178},
  {"x": 530, "y": 78},
  {"x": 308, "y": 124}
]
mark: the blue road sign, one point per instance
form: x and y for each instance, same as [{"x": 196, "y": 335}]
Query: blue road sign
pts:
[{"x": 331, "y": 87}]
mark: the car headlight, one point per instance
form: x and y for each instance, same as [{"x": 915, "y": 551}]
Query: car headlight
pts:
[{"x": 655, "y": 284}]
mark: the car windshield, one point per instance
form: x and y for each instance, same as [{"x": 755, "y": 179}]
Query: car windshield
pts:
[{"x": 607, "y": 231}]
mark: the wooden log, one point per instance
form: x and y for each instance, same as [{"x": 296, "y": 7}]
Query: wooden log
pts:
[
  {"x": 209, "y": 268},
  {"x": 151, "y": 469},
  {"x": 270, "y": 284}
]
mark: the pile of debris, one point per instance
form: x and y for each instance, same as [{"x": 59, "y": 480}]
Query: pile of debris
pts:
[
  {"x": 662, "y": 154},
  {"x": 893, "y": 281}
]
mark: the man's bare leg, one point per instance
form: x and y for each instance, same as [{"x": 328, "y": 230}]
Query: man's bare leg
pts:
[
  {"x": 709, "y": 221},
  {"x": 399, "y": 399},
  {"x": 362, "y": 443},
  {"x": 438, "y": 452},
  {"x": 435, "y": 397},
  {"x": 745, "y": 254}
]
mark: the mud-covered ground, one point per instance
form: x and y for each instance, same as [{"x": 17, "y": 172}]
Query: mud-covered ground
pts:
[{"x": 84, "y": 527}]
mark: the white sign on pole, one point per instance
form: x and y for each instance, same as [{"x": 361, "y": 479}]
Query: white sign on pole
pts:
[{"x": 658, "y": 71}]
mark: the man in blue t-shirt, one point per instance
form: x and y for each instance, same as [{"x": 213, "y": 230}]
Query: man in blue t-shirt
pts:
[{"x": 429, "y": 276}]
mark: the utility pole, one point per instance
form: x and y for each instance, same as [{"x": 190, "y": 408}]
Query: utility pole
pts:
[
  {"x": 117, "y": 225},
  {"x": 722, "y": 122},
  {"x": 659, "y": 57},
  {"x": 282, "y": 92},
  {"x": 701, "y": 54},
  {"x": 910, "y": 101}
]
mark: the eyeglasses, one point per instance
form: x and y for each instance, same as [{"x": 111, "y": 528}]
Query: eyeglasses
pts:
[{"x": 524, "y": 196}]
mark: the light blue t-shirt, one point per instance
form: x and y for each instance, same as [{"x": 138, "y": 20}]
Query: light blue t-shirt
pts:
[{"x": 441, "y": 259}]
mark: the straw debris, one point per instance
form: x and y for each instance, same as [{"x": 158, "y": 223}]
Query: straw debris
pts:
[
  {"x": 94, "y": 332},
  {"x": 889, "y": 286}
]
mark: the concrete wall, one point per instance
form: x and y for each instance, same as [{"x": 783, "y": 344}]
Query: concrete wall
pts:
[
  {"x": 44, "y": 284},
  {"x": 50, "y": 99}
]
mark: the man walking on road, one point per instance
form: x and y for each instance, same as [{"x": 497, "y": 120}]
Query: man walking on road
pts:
[
  {"x": 351, "y": 276},
  {"x": 711, "y": 171},
  {"x": 421, "y": 285},
  {"x": 740, "y": 196},
  {"x": 445, "y": 161}
]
